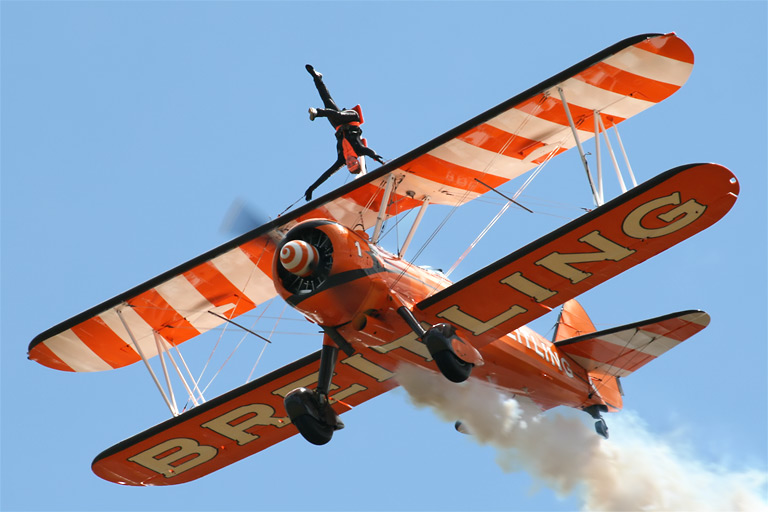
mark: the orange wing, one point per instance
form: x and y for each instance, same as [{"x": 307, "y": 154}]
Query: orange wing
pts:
[
  {"x": 177, "y": 305},
  {"x": 584, "y": 253},
  {"x": 237, "y": 424}
]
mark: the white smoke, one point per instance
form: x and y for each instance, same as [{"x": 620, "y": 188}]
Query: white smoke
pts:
[{"x": 632, "y": 471}]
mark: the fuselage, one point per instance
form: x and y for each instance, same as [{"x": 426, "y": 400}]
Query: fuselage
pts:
[{"x": 358, "y": 287}]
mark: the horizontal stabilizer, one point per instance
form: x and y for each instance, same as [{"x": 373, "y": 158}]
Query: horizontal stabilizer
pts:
[{"x": 622, "y": 350}]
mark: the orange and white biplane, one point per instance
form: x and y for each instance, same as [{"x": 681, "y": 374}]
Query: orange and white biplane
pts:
[{"x": 378, "y": 311}]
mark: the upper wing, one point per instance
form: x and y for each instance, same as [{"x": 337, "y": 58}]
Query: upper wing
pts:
[
  {"x": 237, "y": 424},
  {"x": 176, "y": 306},
  {"x": 638, "y": 224},
  {"x": 518, "y": 134},
  {"x": 622, "y": 350}
]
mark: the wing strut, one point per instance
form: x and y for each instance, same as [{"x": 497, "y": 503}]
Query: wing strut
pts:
[
  {"x": 595, "y": 193},
  {"x": 623, "y": 152},
  {"x": 599, "y": 120},
  {"x": 383, "y": 209},
  {"x": 146, "y": 362},
  {"x": 407, "y": 242}
]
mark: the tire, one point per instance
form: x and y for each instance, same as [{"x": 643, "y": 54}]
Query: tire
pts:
[
  {"x": 453, "y": 368},
  {"x": 312, "y": 430},
  {"x": 601, "y": 428}
]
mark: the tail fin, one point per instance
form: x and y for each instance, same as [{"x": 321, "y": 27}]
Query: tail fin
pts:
[
  {"x": 613, "y": 353},
  {"x": 573, "y": 321}
]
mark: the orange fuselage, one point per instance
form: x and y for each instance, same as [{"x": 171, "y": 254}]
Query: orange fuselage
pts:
[{"x": 358, "y": 287}]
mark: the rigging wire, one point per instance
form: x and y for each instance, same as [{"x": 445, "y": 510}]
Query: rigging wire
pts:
[
  {"x": 463, "y": 197},
  {"x": 503, "y": 210},
  {"x": 266, "y": 307},
  {"x": 277, "y": 322}
]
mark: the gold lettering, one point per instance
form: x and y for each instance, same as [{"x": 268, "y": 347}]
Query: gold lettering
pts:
[
  {"x": 346, "y": 393},
  {"x": 528, "y": 287},
  {"x": 477, "y": 327},
  {"x": 256, "y": 414},
  {"x": 373, "y": 370},
  {"x": 166, "y": 458},
  {"x": 676, "y": 218},
  {"x": 409, "y": 342},
  {"x": 560, "y": 263}
]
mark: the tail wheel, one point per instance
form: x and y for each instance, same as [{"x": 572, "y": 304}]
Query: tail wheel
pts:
[
  {"x": 601, "y": 428},
  {"x": 453, "y": 368}
]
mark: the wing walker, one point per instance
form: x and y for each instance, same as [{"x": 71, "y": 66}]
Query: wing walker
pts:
[{"x": 377, "y": 310}]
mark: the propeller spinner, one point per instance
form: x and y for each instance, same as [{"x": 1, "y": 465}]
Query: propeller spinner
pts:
[{"x": 299, "y": 257}]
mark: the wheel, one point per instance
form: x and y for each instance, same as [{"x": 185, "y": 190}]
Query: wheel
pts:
[
  {"x": 602, "y": 428},
  {"x": 453, "y": 368},
  {"x": 315, "y": 421},
  {"x": 312, "y": 430}
]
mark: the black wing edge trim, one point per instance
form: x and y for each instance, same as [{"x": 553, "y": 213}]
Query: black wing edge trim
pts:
[
  {"x": 634, "y": 325},
  {"x": 341, "y": 191},
  {"x": 230, "y": 395},
  {"x": 597, "y": 212}
]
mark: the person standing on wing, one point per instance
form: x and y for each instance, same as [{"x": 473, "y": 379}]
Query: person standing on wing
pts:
[{"x": 346, "y": 122}]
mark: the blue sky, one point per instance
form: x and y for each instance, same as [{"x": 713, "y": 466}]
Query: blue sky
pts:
[{"x": 129, "y": 128}]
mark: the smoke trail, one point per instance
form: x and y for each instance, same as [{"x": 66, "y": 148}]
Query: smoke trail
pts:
[{"x": 634, "y": 471}]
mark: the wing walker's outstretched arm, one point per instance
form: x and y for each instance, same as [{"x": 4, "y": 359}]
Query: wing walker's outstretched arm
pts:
[{"x": 346, "y": 122}]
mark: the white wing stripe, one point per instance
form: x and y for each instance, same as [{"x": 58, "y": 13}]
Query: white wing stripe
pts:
[
  {"x": 140, "y": 329},
  {"x": 642, "y": 341},
  {"x": 245, "y": 275},
  {"x": 650, "y": 65},
  {"x": 76, "y": 354}
]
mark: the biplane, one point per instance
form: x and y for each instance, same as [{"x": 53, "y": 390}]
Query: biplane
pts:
[{"x": 376, "y": 310}]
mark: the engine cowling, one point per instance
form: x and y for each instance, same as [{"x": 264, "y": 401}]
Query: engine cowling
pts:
[{"x": 328, "y": 272}]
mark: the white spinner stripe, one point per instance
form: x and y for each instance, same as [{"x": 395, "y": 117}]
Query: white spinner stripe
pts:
[
  {"x": 245, "y": 275},
  {"x": 651, "y": 65},
  {"x": 76, "y": 354}
]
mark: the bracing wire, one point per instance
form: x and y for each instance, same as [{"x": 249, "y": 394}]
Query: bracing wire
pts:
[
  {"x": 274, "y": 327},
  {"x": 463, "y": 198}
]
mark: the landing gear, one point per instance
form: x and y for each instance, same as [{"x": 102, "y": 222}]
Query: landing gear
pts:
[
  {"x": 438, "y": 342},
  {"x": 601, "y": 427},
  {"x": 454, "y": 357},
  {"x": 312, "y": 415},
  {"x": 309, "y": 410}
]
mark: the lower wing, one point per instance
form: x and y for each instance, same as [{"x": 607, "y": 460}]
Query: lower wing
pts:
[
  {"x": 237, "y": 424},
  {"x": 588, "y": 251}
]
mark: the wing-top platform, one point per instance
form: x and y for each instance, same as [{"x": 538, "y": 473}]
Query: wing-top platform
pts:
[{"x": 494, "y": 147}]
